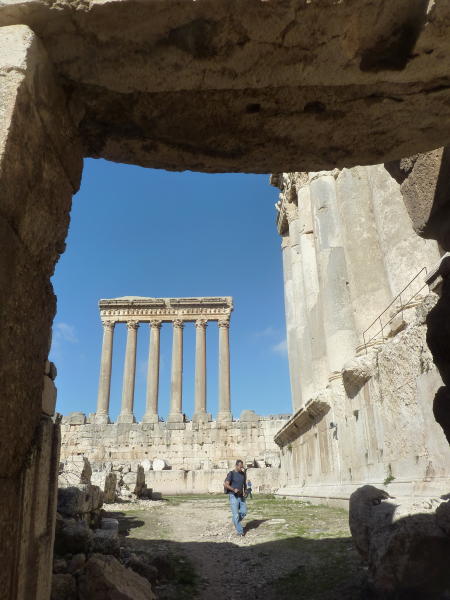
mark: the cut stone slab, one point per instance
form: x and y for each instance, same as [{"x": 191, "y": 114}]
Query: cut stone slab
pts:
[
  {"x": 104, "y": 578},
  {"x": 265, "y": 87}
]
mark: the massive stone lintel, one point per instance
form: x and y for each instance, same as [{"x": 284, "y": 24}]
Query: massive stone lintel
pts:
[{"x": 264, "y": 85}]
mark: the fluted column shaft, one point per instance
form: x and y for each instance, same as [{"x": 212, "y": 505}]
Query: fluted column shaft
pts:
[
  {"x": 224, "y": 372},
  {"x": 151, "y": 404},
  {"x": 339, "y": 323},
  {"x": 104, "y": 386},
  {"x": 200, "y": 366},
  {"x": 291, "y": 334},
  {"x": 126, "y": 413},
  {"x": 177, "y": 373}
]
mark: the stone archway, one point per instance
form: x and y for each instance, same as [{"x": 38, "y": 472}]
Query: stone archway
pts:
[{"x": 245, "y": 87}]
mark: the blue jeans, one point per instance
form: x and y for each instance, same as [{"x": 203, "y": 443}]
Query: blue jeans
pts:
[{"x": 238, "y": 511}]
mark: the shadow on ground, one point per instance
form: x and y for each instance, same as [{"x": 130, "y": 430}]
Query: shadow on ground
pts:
[{"x": 291, "y": 568}]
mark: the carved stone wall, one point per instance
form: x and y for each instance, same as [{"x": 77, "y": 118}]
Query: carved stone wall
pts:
[{"x": 362, "y": 394}]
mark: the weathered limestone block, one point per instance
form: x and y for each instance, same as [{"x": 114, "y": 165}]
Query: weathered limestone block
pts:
[
  {"x": 79, "y": 501},
  {"x": 77, "y": 469},
  {"x": 248, "y": 416},
  {"x": 134, "y": 481},
  {"x": 406, "y": 549},
  {"x": 358, "y": 370},
  {"x": 106, "y": 541},
  {"x": 159, "y": 464},
  {"x": 40, "y": 165},
  {"x": 104, "y": 578},
  {"x": 236, "y": 63},
  {"x": 73, "y": 537},
  {"x": 107, "y": 482}
]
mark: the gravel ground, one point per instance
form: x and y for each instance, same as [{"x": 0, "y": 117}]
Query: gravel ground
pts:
[{"x": 290, "y": 550}]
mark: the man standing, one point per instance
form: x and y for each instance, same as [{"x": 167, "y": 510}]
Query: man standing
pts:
[{"x": 236, "y": 486}]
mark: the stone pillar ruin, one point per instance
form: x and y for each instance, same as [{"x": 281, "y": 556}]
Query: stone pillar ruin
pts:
[
  {"x": 104, "y": 385},
  {"x": 291, "y": 335},
  {"x": 133, "y": 310},
  {"x": 129, "y": 374},
  {"x": 176, "y": 414},
  {"x": 224, "y": 413},
  {"x": 200, "y": 371},
  {"x": 339, "y": 324},
  {"x": 151, "y": 404},
  {"x": 313, "y": 297},
  {"x": 301, "y": 317}
]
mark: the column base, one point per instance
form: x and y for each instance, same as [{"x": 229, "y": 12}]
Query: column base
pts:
[
  {"x": 150, "y": 418},
  {"x": 224, "y": 416},
  {"x": 101, "y": 419},
  {"x": 201, "y": 417},
  {"x": 175, "y": 418},
  {"x": 126, "y": 419}
]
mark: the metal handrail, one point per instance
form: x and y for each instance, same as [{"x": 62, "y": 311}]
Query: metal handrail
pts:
[{"x": 403, "y": 305}]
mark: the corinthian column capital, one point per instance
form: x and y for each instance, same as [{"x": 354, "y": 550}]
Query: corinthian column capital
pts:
[
  {"x": 201, "y": 323},
  {"x": 223, "y": 323},
  {"x": 133, "y": 324},
  {"x": 155, "y": 324},
  {"x": 179, "y": 323},
  {"x": 108, "y": 324}
]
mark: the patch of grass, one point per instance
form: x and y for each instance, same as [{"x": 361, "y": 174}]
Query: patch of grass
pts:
[{"x": 333, "y": 574}]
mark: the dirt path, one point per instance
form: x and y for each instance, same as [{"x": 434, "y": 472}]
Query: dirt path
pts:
[{"x": 291, "y": 549}]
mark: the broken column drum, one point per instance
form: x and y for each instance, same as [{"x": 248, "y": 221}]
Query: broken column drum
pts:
[{"x": 134, "y": 310}]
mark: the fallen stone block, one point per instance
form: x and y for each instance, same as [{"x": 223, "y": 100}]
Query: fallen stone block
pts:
[
  {"x": 106, "y": 541},
  {"x": 159, "y": 464},
  {"x": 80, "y": 500},
  {"x": 107, "y": 482},
  {"x": 405, "y": 548},
  {"x": 73, "y": 537},
  {"x": 104, "y": 578}
]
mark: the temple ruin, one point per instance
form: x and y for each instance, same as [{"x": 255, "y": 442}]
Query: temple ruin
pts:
[
  {"x": 362, "y": 377},
  {"x": 193, "y": 454},
  {"x": 134, "y": 310},
  {"x": 217, "y": 87}
]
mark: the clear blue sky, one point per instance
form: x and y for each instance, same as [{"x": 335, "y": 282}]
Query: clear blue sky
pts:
[{"x": 143, "y": 232}]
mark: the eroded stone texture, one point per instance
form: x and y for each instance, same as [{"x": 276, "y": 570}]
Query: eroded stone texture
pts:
[
  {"x": 40, "y": 164},
  {"x": 403, "y": 543},
  {"x": 369, "y": 420},
  {"x": 239, "y": 86}
]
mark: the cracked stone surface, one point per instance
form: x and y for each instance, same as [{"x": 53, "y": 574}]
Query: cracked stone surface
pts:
[{"x": 249, "y": 86}]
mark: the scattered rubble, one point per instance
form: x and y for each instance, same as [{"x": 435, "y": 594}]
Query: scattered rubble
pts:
[{"x": 405, "y": 544}]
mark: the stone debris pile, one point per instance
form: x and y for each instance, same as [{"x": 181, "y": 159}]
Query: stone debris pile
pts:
[{"x": 88, "y": 559}]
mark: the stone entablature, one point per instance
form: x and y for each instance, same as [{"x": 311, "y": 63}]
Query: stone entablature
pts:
[{"x": 165, "y": 309}]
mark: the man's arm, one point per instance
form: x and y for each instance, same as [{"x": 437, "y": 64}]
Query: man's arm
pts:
[{"x": 227, "y": 485}]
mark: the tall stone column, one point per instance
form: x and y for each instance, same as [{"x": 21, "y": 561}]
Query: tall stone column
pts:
[
  {"x": 291, "y": 334},
  {"x": 200, "y": 413},
  {"x": 368, "y": 282},
  {"x": 313, "y": 298},
  {"x": 176, "y": 415},
  {"x": 126, "y": 413},
  {"x": 339, "y": 324},
  {"x": 303, "y": 363},
  {"x": 151, "y": 403},
  {"x": 104, "y": 386},
  {"x": 224, "y": 413}
]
